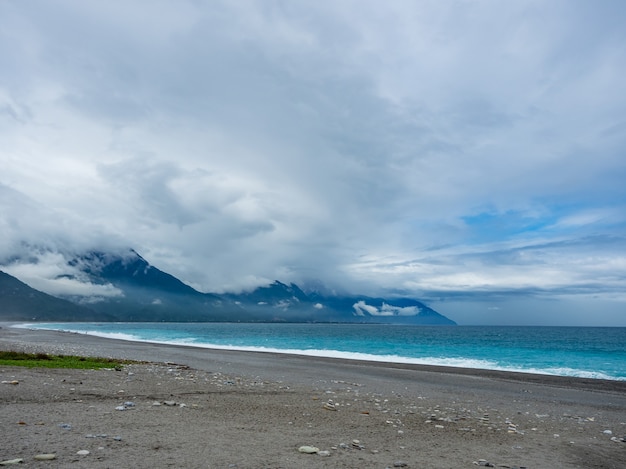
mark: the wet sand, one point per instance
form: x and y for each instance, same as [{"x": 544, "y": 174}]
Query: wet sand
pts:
[{"x": 195, "y": 407}]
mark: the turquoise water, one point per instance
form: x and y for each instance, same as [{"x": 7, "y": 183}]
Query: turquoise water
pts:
[{"x": 568, "y": 351}]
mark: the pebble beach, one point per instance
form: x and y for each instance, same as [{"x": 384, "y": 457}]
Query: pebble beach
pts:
[{"x": 198, "y": 408}]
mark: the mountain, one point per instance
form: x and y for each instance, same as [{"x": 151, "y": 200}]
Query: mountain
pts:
[
  {"x": 281, "y": 302},
  {"x": 19, "y": 302},
  {"x": 137, "y": 291},
  {"x": 149, "y": 294}
]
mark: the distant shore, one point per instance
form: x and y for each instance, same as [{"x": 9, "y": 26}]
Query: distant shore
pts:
[{"x": 260, "y": 407}]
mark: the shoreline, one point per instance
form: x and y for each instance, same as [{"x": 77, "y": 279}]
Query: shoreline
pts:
[
  {"x": 255, "y": 409},
  {"x": 530, "y": 377}
]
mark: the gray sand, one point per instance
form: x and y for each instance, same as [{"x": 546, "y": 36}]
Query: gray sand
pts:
[{"x": 254, "y": 410}]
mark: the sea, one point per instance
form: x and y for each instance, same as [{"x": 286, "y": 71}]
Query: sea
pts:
[{"x": 587, "y": 352}]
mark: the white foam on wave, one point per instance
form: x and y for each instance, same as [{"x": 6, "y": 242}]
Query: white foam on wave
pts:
[
  {"x": 454, "y": 362},
  {"x": 581, "y": 373},
  {"x": 360, "y": 356},
  {"x": 106, "y": 335}
]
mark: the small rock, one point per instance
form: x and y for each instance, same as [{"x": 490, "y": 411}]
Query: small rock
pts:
[
  {"x": 82, "y": 452},
  {"x": 169, "y": 403},
  {"x": 65, "y": 426},
  {"x": 607, "y": 432},
  {"x": 120, "y": 407},
  {"x": 14, "y": 382},
  {"x": 357, "y": 444},
  {"x": 484, "y": 463},
  {"x": 324, "y": 453},
  {"x": 330, "y": 405},
  {"x": 9, "y": 462},
  {"x": 308, "y": 449},
  {"x": 45, "y": 457},
  {"x": 129, "y": 404},
  {"x": 400, "y": 464}
]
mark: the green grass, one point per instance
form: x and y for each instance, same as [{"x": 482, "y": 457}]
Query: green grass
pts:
[{"x": 43, "y": 360}]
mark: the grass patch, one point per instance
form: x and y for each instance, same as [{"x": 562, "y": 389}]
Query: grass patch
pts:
[{"x": 43, "y": 360}]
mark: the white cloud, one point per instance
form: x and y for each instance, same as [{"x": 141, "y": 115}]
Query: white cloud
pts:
[
  {"x": 371, "y": 145},
  {"x": 399, "y": 310},
  {"x": 51, "y": 273},
  {"x": 361, "y": 307}
]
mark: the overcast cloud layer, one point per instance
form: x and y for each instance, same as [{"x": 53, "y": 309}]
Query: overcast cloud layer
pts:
[{"x": 468, "y": 153}]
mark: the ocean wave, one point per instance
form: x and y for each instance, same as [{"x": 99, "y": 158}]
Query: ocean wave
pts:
[
  {"x": 454, "y": 362},
  {"x": 107, "y": 335}
]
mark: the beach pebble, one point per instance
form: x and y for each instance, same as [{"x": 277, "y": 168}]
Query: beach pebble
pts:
[
  {"x": 169, "y": 403},
  {"x": 14, "y": 382},
  {"x": 65, "y": 426},
  {"x": 82, "y": 452},
  {"x": 9, "y": 462},
  {"x": 129, "y": 404},
  {"x": 400, "y": 464},
  {"x": 308, "y": 449},
  {"x": 120, "y": 407},
  {"x": 357, "y": 444},
  {"x": 607, "y": 432},
  {"x": 324, "y": 453},
  {"x": 484, "y": 463},
  {"x": 45, "y": 457},
  {"x": 330, "y": 405}
]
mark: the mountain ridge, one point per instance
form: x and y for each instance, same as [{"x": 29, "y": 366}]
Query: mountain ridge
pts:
[
  {"x": 139, "y": 291},
  {"x": 19, "y": 302}
]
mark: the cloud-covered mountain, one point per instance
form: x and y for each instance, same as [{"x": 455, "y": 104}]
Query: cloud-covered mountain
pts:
[
  {"x": 19, "y": 302},
  {"x": 123, "y": 286}
]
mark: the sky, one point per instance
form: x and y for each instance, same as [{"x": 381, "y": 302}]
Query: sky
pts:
[{"x": 471, "y": 154}]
